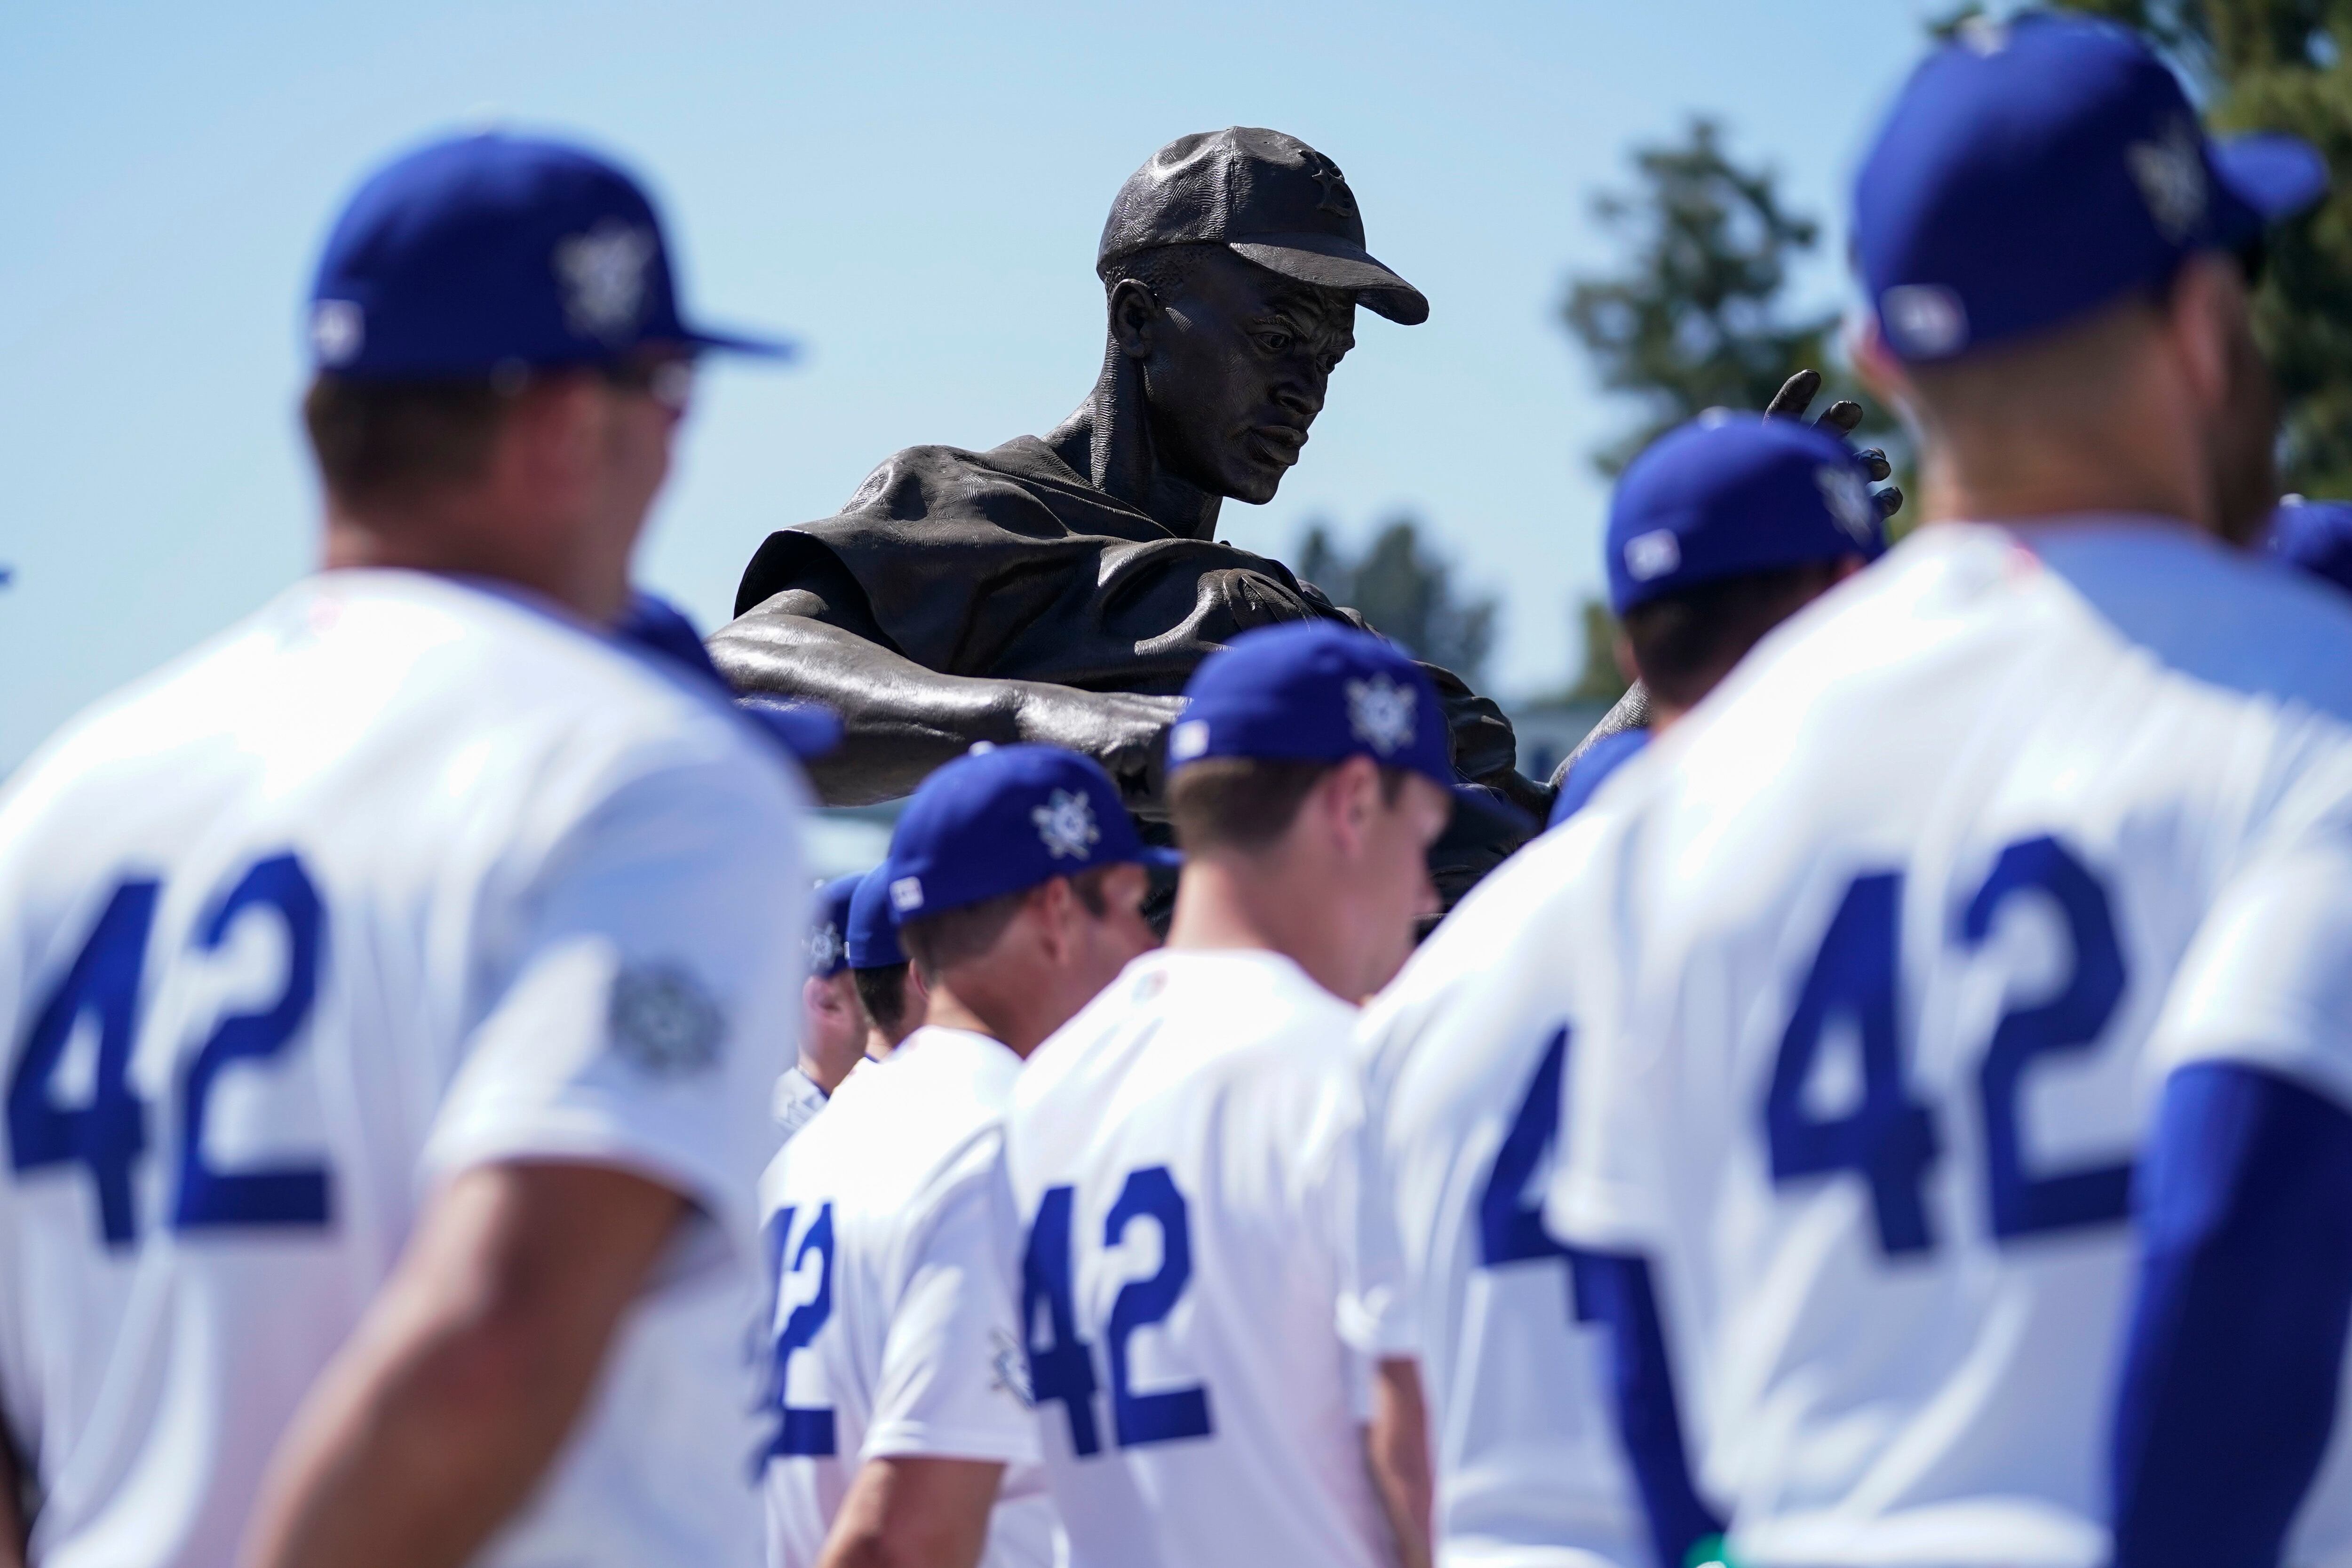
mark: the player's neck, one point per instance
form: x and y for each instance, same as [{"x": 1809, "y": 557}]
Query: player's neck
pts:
[
  {"x": 2016, "y": 478},
  {"x": 449, "y": 539},
  {"x": 1225, "y": 905}
]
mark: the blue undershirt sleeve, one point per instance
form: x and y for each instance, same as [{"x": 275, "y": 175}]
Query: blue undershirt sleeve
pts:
[
  {"x": 2236, "y": 1341},
  {"x": 1615, "y": 1288}
]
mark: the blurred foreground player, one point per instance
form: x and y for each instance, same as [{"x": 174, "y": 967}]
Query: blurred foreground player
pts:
[
  {"x": 890, "y": 992},
  {"x": 2314, "y": 536},
  {"x": 1183, "y": 1153},
  {"x": 1717, "y": 532},
  {"x": 392, "y": 988},
  {"x": 1721, "y": 530},
  {"x": 901, "y": 1429},
  {"x": 1977, "y": 1091}
]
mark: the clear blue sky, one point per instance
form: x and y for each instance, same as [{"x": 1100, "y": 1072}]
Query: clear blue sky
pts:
[{"x": 915, "y": 191}]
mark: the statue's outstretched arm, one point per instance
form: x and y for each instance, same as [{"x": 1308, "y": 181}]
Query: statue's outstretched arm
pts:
[{"x": 900, "y": 719}]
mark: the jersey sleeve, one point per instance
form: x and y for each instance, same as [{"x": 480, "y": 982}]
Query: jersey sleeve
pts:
[
  {"x": 1376, "y": 1311},
  {"x": 2267, "y": 982},
  {"x": 952, "y": 1384},
  {"x": 652, "y": 1000}
]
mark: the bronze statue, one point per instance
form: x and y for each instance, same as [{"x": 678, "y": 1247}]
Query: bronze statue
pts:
[{"x": 1062, "y": 589}]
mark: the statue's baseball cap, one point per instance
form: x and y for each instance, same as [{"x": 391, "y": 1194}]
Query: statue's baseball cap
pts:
[
  {"x": 1729, "y": 494},
  {"x": 2031, "y": 171},
  {"x": 1268, "y": 198},
  {"x": 1004, "y": 819},
  {"x": 1314, "y": 691},
  {"x": 873, "y": 939},
  {"x": 485, "y": 253},
  {"x": 2316, "y": 536},
  {"x": 829, "y": 928}
]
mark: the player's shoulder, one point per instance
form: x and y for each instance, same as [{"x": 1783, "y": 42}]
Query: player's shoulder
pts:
[
  {"x": 892, "y": 1124},
  {"x": 1522, "y": 942},
  {"x": 2226, "y": 618}
]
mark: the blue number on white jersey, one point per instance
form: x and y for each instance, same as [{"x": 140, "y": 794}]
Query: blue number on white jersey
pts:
[
  {"x": 108, "y": 1134},
  {"x": 806, "y": 1430},
  {"x": 1891, "y": 1138},
  {"x": 1062, "y": 1369}
]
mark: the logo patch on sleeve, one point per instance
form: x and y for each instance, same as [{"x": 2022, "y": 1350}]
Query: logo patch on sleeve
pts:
[{"x": 664, "y": 1023}]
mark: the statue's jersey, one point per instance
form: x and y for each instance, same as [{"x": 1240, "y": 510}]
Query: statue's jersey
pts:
[
  {"x": 397, "y": 879},
  {"x": 1181, "y": 1156},
  {"x": 1874, "y": 968},
  {"x": 1463, "y": 1054},
  {"x": 1009, "y": 564},
  {"x": 893, "y": 1333}
]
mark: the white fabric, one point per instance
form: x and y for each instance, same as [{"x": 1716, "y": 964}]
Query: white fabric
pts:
[
  {"x": 562, "y": 908},
  {"x": 918, "y": 1355},
  {"x": 796, "y": 1101},
  {"x": 1528, "y": 1471},
  {"x": 1232, "y": 1071},
  {"x": 2174, "y": 717}
]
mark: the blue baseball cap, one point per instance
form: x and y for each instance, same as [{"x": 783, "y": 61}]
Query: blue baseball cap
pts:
[
  {"x": 873, "y": 935},
  {"x": 1002, "y": 820},
  {"x": 829, "y": 927},
  {"x": 482, "y": 253},
  {"x": 2031, "y": 172},
  {"x": 1316, "y": 691},
  {"x": 1729, "y": 494},
  {"x": 2316, "y": 536}
]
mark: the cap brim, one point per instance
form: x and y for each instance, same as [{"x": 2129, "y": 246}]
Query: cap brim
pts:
[
  {"x": 805, "y": 729},
  {"x": 1153, "y": 855},
  {"x": 2275, "y": 175},
  {"x": 777, "y": 349},
  {"x": 1329, "y": 262}
]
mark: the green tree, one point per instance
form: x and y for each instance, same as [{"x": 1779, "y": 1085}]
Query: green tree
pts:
[
  {"x": 2281, "y": 65},
  {"x": 1407, "y": 593},
  {"x": 1698, "y": 316}
]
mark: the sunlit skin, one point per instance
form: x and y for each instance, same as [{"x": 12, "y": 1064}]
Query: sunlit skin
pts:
[
  {"x": 1340, "y": 893},
  {"x": 2160, "y": 406},
  {"x": 1049, "y": 962},
  {"x": 560, "y": 504},
  {"x": 833, "y": 1028}
]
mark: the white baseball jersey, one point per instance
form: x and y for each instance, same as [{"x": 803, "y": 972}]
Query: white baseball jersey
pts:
[
  {"x": 1182, "y": 1155},
  {"x": 1912, "y": 918},
  {"x": 398, "y": 877},
  {"x": 1463, "y": 1057},
  {"x": 796, "y": 1101},
  {"x": 890, "y": 1237}
]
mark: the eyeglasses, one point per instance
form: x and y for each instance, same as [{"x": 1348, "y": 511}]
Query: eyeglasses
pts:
[{"x": 669, "y": 380}]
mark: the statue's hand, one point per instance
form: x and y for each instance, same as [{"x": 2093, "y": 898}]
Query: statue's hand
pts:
[
  {"x": 1125, "y": 731},
  {"x": 1797, "y": 394}
]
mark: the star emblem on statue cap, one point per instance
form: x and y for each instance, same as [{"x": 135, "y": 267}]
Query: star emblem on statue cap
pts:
[
  {"x": 1380, "y": 712},
  {"x": 1337, "y": 196},
  {"x": 1065, "y": 825}
]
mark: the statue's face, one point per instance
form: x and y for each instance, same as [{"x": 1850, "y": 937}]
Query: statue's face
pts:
[{"x": 1237, "y": 372}]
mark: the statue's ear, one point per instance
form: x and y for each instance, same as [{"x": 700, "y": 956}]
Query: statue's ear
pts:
[{"x": 1135, "y": 316}]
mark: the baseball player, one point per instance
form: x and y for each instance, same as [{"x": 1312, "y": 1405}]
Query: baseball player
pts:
[
  {"x": 1957, "y": 1008},
  {"x": 833, "y": 1025},
  {"x": 900, "y": 1425},
  {"x": 1717, "y": 532},
  {"x": 1183, "y": 1153},
  {"x": 890, "y": 991},
  {"x": 391, "y": 989}
]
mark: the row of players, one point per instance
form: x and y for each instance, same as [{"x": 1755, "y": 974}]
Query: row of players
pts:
[
  {"x": 1906, "y": 1118},
  {"x": 1900, "y": 1120}
]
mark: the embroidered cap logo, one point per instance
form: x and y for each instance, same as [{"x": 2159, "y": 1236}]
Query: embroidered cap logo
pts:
[
  {"x": 604, "y": 278},
  {"x": 1066, "y": 824},
  {"x": 1380, "y": 712}
]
